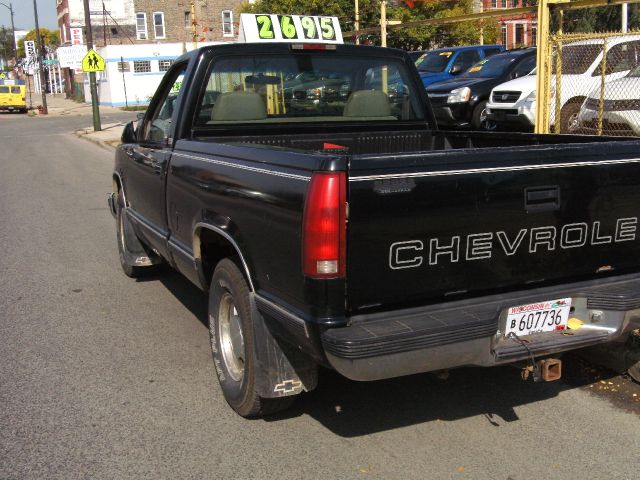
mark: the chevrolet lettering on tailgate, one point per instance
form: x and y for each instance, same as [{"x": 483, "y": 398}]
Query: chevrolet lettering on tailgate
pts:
[{"x": 479, "y": 246}]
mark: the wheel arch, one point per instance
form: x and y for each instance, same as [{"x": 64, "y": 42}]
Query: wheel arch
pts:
[{"x": 210, "y": 245}]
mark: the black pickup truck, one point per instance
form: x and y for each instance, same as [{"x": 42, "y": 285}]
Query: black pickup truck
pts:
[{"x": 359, "y": 237}]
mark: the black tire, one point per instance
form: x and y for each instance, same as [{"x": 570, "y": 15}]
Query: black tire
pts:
[
  {"x": 479, "y": 120},
  {"x": 130, "y": 248},
  {"x": 569, "y": 117},
  {"x": 232, "y": 344}
]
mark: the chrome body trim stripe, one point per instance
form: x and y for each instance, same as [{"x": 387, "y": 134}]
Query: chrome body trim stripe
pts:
[
  {"x": 365, "y": 178},
  {"x": 244, "y": 167}
]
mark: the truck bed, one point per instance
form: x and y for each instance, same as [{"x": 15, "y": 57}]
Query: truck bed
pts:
[
  {"x": 438, "y": 216},
  {"x": 401, "y": 141}
]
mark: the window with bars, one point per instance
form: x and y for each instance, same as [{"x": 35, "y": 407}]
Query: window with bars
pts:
[
  {"x": 534, "y": 35},
  {"x": 158, "y": 25},
  {"x": 124, "y": 67},
  {"x": 141, "y": 66},
  {"x": 519, "y": 34},
  {"x": 164, "y": 65},
  {"x": 227, "y": 23},
  {"x": 141, "y": 26}
]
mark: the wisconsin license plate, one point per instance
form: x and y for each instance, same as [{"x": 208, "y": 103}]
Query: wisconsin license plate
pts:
[{"x": 538, "y": 317}]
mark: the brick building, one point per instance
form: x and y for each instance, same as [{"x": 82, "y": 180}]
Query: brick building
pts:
[
  {"x": 114, "y": 24},
  {"x": 123, "y": 22},
  {"x": 513, "y": 31},
  {"x": 172, "y": 20}
]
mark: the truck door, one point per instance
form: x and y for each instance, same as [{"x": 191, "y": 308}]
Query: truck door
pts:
[{"x": 146, "y": 171}]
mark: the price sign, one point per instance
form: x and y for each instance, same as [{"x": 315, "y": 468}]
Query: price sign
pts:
[{"x": 289, "y": 28}]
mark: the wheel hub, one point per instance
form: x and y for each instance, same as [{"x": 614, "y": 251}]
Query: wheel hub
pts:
[{"x": 231, "y": 338}]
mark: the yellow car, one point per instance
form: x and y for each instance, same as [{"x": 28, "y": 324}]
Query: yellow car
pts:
[{"x": 13, "y": 98}]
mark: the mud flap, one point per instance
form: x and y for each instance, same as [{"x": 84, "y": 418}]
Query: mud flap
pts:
[{"x": 282, "y": 369}]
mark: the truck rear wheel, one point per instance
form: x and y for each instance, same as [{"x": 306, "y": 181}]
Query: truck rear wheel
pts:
[{"x": 233, "y": 343}]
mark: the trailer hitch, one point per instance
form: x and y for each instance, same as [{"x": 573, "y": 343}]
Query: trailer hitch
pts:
[{"x": 547, "y": 370}]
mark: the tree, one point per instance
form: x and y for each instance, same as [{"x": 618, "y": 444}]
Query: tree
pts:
[
  {"x": 6, "y": 44},
  {"x": 50, "y": 39},
  {"x": 597, "y": 20},
  {"x": 430, "y": 36}
]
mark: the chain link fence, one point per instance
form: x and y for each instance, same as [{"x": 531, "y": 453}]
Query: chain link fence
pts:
[{"x": 595, "y": 83}]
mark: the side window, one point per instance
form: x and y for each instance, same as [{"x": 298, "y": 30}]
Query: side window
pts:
[
  {"x": 4, "y": 89},
  {"x": 15, "y": 89},
  {"x": 622, "y": 57},
  {"x": 158, "y": 126},
  {"x": 524, "y": 67},
  {"x": 464, "y": 60}
]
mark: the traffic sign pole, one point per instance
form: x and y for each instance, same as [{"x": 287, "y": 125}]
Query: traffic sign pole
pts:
[
  {"x": 92, "y": 75},
  {"x": 39, "y": 52}
]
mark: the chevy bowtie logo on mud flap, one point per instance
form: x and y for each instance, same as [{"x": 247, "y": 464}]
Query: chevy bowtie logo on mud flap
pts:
[{"x": 288, "y": 386}]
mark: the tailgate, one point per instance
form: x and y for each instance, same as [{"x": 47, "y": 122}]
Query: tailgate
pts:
[{"x": 438, "y": 226}]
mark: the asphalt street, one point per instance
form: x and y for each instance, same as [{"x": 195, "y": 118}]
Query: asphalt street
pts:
[{"x": 105, "y": 377}]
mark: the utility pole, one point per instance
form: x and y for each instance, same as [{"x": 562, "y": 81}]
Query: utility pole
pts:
[
  {"x": 383, "y": 23},
  {"x": 481, "y": 40},
  {"x": 13, "y": 29},
  {"x": 624, "y": 17},
  {"x": 92, "y": 75},
  {"x": 39, "y": 50},
  {"x": 194, "y": 25},
  {"x": 356, "y": 24}
]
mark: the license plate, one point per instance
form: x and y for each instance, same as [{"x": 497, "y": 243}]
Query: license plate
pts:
[{"x": 546, "y": 316}]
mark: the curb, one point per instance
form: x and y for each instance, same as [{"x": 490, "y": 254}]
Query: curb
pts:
[{"x": 83, "y": 134}]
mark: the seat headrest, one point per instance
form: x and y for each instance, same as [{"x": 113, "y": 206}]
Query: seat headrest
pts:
[
  {"x": 367, "y": 103},
  {"x": 239, "y": 106}
]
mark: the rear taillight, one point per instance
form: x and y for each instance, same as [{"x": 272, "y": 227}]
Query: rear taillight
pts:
[{"x": 324, "y": 229}]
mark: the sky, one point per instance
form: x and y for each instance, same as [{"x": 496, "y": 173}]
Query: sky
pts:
[{"x": 23, "y": 14}]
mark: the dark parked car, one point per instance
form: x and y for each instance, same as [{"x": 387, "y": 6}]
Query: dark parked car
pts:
[{"x": 461, "y": 102}]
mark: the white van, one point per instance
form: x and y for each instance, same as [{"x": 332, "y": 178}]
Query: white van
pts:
[{"x": 513, "y": 103}]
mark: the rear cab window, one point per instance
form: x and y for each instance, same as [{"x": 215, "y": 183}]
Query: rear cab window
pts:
[{"x": 306, "y": 87}]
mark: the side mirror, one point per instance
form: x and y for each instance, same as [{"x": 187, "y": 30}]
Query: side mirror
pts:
[
  {"x": 140, "y": 115},
  {"x": 128, "y": 134},
  {"x": 456, "y": 69}
]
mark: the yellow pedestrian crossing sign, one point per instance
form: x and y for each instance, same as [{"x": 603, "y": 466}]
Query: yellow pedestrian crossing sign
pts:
[
  {"x": 2, "y": 76},
  {"x": 92, "y": 62}
]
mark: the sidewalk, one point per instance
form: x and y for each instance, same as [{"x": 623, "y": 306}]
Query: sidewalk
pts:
[
  {"x": 59, "y": 106},
  {"x": 108, "y": 138}
]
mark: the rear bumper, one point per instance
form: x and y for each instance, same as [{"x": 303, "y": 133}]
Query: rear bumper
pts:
[
  {"x": 14, "y": 108},
  {"x": 468, "y": 332},
  {"x": 510, "y": 117}
]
